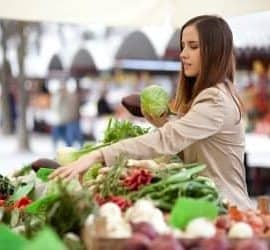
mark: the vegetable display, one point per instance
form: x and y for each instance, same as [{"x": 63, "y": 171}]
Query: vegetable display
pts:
[{"x": 148, "y": 204}]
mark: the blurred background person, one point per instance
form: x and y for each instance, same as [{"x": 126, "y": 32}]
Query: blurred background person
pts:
[
  {"x": 103, "y": 106},
  {"x": 60, "y": 109},
  {"x": 72, "y": 127}
]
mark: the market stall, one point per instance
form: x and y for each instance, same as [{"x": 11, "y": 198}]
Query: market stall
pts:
[{"x": 159, "y": 203}]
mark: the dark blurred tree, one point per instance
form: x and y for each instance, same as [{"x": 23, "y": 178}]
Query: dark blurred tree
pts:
[
  {"x": 5, "y": 75},
  {"x": 22, "y": 97},
  {"x": 19, "y": 32}
]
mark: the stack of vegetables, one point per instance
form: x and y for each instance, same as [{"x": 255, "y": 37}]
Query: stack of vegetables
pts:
[
  {"x": 142, "y": 226},
  {"x": 153, "y": 202},
  {"x": 162, "y": 182},
  {"x": 37, "y": 203}
]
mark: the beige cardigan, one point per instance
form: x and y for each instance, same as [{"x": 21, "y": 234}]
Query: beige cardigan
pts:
[{"x": 209, "y": 133}]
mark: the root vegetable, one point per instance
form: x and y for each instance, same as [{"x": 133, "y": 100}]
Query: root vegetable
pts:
[
  {"x": 251, "y": 244},
  {"x": 137, "y": 242},
  {"x": 166, "y": 242},
  {"x": 145, "y": 228},
  {"x": 220, "y": 243}
]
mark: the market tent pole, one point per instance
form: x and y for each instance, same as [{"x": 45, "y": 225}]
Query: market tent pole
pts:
[{"x": 125, "y": 13}]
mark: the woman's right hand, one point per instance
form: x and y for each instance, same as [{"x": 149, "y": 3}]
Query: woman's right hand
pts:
[
  {"x": 77, "y": 168},
  {"x": 156, "y": 121}
]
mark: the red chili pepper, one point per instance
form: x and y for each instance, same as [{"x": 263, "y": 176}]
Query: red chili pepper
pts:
[
  {"x": 23, "y": 202},
  {"x": 100, "y": 200},
  {"x": 122, "y": 202},
  {"x": 137, "y": 178}
]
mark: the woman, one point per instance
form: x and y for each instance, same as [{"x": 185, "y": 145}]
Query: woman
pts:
[{"x": 209, "y": 126}]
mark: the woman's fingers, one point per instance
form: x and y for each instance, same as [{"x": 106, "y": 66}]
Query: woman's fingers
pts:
[
  {"x": 104, "y": 170},
  {"x": 71, "y": 176},
  {"x": 61, "y": 172},
  {"x": 56, "y": 173},
  {"x": 89, "y": 183},
  {"x": 68, "y": 171}
]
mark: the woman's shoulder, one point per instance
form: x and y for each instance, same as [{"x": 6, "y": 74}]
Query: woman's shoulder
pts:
[{"x": 216, "y": 94}]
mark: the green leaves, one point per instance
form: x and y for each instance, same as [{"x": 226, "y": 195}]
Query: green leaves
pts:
[
  {"x": 41, "y": 206},
  {"x": 187, "y": 209},
  {"x": 11, "y": 241},
  {"x": 23, "y": 191},
  {"x": 118, "y": 130},
  {"x": 46, "y": 240},
  {"x": 154, "y": 100},
  {"x": 43, "y": 173},
  {"x": 92, "y": 172}
]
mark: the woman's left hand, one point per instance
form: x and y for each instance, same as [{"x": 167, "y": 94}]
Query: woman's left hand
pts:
[
  {"x": 156, "y": 121},
  {"x": 77, "y": 168}
]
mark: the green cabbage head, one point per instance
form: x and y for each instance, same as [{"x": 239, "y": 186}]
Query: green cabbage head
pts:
[{"x": 154, "y": 100}]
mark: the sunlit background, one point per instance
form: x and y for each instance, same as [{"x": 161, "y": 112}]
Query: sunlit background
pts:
[{"x": 111, "y": 58}]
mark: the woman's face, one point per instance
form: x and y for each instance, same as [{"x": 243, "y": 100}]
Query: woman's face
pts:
[{"x": 190, "y": 54}]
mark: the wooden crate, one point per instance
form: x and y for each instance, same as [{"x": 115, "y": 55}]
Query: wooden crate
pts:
[
  {"x": 106, "y": 244},
  {"x": 118, "y": 244},
  {"x": 94, "y": 237}
]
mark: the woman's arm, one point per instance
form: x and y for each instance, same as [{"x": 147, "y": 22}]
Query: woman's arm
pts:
[{"x": 205, "y": 118}]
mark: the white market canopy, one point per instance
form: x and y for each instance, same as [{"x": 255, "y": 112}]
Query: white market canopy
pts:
[{"x": 125, "y": 12}]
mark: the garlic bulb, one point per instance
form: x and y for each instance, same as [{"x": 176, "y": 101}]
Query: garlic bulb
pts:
[
  {"x": 240, "y": 230},
  {"x": 200, "y": 228}
]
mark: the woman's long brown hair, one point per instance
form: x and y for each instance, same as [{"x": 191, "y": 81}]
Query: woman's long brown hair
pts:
[{"x": 217, "y": 62}]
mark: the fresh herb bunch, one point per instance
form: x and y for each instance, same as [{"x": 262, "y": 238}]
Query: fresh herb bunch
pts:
[
  {"x": 69, "y": 211},
  {"x": 118, "y": 130},
  {"x": 111, "y": 182},
  {"x": 115, "y": 131}
]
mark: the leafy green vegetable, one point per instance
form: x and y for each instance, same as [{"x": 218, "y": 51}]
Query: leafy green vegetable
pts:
[
  {"x": 69, "y": 212},
  {"x": 46, "y": 240},
  {"x": 187, "y": 209},
  {"x": 23, "y": 171},
  {"x": 40, "y": 206},
  {"x": 23, "y": 191},
  {"x": 10, "y": 240},
  {"x": 115, "y": 131},
  {"x": 89, "y": 148},
  {"x": 118, "y": 130},
  {"x": 154, "y": 100},
  {"x": 92, "y": 172},
  {"x": 43, "y": 173},
  {"x": 66, "y": 155}
]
